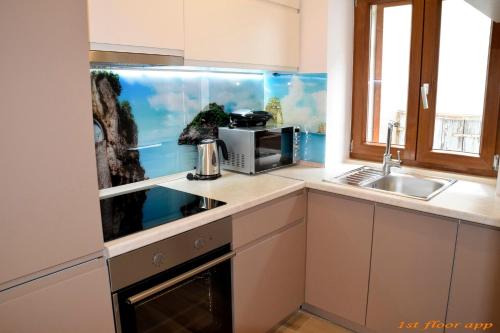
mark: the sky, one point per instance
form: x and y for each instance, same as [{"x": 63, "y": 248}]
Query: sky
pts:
[{"x": 164, "y": 102}]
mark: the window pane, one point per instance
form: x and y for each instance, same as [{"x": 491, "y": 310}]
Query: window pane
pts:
[
  {"x": 463, "y": 63},
  {"x": 390, "y": 39}
]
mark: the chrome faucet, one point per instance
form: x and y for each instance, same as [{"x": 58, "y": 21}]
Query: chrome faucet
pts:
[{"x": 388, "y": 162}]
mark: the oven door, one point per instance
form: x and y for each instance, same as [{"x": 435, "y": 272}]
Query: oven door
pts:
[
  {"x": 193, "y": 297},
  {"x": 274, "y": 148}
]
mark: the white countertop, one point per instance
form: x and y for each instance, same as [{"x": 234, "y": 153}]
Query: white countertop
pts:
[
  {"x": 470, "y": 198},
  {"x": 240, "y": 192}
]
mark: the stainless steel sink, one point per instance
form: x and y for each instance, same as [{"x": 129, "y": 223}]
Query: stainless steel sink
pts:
[{"x": 422, "y": 188}]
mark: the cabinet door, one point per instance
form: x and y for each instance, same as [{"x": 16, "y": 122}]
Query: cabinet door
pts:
[
  {"x": 339, "y": 235},
  {"x": 313, "y": 36},
  {"x": 291, "y": 3},
  {"x": 234, "y": 32},
  {"x": 475, "y": 292},
  {"x": 74, "y": 300},
  {"x": 49, "y": 201},
  {"x": 411, "y": 267},
  {"x": 115, "y": 25},
  {"x": 268, "y": 281}
]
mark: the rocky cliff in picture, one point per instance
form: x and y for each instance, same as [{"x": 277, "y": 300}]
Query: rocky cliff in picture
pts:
[
  {"x": 204, "y": 125},
  {"x": 115, "y": 133}
]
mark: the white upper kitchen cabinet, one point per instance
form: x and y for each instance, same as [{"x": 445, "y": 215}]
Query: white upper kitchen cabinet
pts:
[
  {"x": 146, "y": 26},
  {"x": 242, "y": 33},
  {"x": 313, "y": 36},
  {"x": 290, "y": 3}
]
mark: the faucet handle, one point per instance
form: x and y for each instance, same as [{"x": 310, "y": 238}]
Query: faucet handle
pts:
[
  {"x": 398, "y": 162},
  {"x": 393, "y": 123}
]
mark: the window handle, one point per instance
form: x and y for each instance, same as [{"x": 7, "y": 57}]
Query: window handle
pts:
[{"x": 424, "y": 91}]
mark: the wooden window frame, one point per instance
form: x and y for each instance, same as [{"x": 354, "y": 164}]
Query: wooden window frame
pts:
[
  {"x": 422, "y": 68},
  {"x": 462, "y": 162},
  {"x": 361, "y": 149},
  {"x": 377, "y": 93}
]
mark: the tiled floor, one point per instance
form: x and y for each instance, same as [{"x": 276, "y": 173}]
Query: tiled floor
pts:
[{"x": 303, "y": 322}]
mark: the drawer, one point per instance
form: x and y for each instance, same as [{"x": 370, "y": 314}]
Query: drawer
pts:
[{"x": 259, "y": 221}]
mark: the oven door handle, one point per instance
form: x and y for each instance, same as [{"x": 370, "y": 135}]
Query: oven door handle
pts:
[{"x": 169, "y": 283}]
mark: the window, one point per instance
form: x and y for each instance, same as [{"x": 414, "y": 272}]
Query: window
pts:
[
  {"x": 390, "y": 33},
  {"x": 433, "y": 66},
  {"x": 465, "y": 39}
]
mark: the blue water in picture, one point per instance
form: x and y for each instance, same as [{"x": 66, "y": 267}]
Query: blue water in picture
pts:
[
  {"x": 312, "y": 147},
  {"x": 167, "y": 158}
]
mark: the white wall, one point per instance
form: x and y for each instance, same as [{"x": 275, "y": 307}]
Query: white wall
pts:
[
  {"x": 339, "y": 64},
  {"x": 490, "y": 8}
]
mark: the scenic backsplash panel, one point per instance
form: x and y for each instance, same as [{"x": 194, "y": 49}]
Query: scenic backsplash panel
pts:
[
  {"x": 302, "y": 101},
  {"x": 146, "y": 122}
]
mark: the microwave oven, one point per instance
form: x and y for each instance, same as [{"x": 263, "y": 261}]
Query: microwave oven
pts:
[{"x": 253, "y": 150}]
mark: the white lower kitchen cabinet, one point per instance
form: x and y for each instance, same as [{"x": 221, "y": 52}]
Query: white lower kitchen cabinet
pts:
[
  {"x": 75, "y": 300},
  {"x": 411, "y": 268},
  {"x": 339, "y": 236},
  {"x": 268, "y": 280},
  {"x": 475, "y": 290}
]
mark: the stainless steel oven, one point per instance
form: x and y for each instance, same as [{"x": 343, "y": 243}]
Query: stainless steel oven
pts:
[
  {"x": 180, "y": 284},
  {"x": 258, "y": 149}
]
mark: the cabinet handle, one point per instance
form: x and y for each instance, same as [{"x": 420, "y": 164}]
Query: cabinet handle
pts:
[{"x": 169, "y": 283}]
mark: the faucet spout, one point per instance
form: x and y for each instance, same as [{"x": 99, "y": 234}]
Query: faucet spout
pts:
[
  {"x": 390, "y": 129},
  {"x": 388, "y": 162}
]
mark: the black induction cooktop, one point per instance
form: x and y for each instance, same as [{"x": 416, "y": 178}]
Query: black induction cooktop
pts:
[{"x": 132, "y": 212}]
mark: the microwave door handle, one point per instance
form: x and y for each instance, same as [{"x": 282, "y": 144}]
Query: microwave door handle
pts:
[{"x": 169, "y": 283}]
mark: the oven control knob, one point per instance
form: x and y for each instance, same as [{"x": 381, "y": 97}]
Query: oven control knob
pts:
[
  {"x": 158, "y": 259},
  {"x": 199, "y": 243}
]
